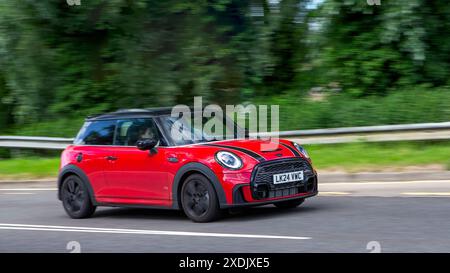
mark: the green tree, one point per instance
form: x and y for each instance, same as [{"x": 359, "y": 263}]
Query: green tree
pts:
[{"x": 373, "y": 49}]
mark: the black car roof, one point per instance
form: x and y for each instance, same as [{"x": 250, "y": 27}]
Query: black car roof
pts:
[{"x": 153, "y": 112}]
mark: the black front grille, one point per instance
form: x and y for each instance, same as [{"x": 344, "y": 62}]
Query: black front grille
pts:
[{"x": 262, "y": 178}]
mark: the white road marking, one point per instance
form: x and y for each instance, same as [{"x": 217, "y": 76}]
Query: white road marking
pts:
[
  {"x": 385, "y": 182},
  {"x": 142, "y": 232},
  {"x": 334, "y": 193},
  {"x": 30, "y": 189},
  {"x": 18, "y": 193},
  {"x": 427, "y": 193}
]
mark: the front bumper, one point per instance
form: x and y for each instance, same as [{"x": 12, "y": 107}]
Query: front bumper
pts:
[
  {"x": 243, "y": 203},
  {"x": 261, "y": 190}
]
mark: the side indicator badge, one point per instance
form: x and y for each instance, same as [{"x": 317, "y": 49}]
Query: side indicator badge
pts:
[{"x": 79, "y": 157}]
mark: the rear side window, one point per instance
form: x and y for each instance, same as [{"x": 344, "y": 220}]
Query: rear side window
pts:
[{"x": 96, "y": 133}]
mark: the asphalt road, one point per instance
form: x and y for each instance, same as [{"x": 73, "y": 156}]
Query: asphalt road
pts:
[{"x": 346, "y": 217}]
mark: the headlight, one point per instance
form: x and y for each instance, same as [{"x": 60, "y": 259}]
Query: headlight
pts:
[
  {"x": 228, "y": 160},
  {"x": 301, "y": 149}
]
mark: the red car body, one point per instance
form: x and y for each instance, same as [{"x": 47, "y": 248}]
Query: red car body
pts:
[{"x": 117, "y": 175}]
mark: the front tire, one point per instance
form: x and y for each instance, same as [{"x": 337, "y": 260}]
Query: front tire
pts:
[
  {"x": 75, "y": 198},
  {"x": 199, "y": 199},
  {"x": 289, "y": 204}
]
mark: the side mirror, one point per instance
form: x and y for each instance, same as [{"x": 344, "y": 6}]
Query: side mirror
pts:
[{"x": 146, "y": 144}]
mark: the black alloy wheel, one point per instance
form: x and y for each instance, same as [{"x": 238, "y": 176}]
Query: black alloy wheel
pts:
[
  {"x": 75, "y": 198},
  {"x": 199, "y": 199}
]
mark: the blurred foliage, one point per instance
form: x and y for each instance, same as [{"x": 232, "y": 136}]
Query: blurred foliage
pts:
[
  {"x": 374, "y": 50},
  {"x": 412, "y": 105},
  {"x": 373, "y": 64}
]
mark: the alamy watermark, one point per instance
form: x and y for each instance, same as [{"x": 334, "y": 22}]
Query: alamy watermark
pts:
[
  {"x": 374, "y": 2},
  {"x": 73, "y": 2},
  {"x": 212, "y": 123},
  {"x": 374, "y": 247},
  {"x": 73, "y": 247}
]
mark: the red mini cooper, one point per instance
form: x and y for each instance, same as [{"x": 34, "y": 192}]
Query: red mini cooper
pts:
[{"x": 130, "y": 158}]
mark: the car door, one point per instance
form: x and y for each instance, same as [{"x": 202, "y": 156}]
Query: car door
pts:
[
  {"x": 91, "y": 150},
  {"x": 135, "y": 176}
]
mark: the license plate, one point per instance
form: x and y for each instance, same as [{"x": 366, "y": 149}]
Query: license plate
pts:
[{"x": 287, "y": 177}]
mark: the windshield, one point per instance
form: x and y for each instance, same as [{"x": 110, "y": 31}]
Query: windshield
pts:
[{"x": 190, "y": 129}]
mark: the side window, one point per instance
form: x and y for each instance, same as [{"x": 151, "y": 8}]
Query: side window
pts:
[
  {"x": 129, "y": 131},
  {"x": 96, "y": 133}
]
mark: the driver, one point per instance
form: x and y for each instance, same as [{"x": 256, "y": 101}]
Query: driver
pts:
[{"x": 146, "y": 133}]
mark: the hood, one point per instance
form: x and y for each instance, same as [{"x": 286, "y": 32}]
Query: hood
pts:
[{"x": 258, "y": 149}]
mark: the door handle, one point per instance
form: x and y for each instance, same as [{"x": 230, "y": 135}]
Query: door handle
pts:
[
  {"x": 172, "y": 158},
  {"x": 110, "y": 157}
]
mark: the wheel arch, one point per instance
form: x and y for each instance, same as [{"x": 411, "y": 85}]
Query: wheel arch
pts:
[
  {"x": 74, "y": 170},
  {"x": 193, "y": 168}
]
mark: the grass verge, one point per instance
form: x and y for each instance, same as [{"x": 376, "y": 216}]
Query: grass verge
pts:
[
  {"x": 26, "y": 168},
  {"x": 389, "y": 156},
  {"x": 353, "y": 157}
]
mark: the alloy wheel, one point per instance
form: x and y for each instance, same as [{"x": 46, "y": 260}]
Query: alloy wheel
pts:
[
  {"x": 73, "y": 195},
  {"x": 197, "y": 198}
]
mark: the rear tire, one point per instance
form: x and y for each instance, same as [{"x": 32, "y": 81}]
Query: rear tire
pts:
[
  {"x": 289, "y": 204},
  {"x": 75, "y": 198},
  {"x": 199, "y": 199}
]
